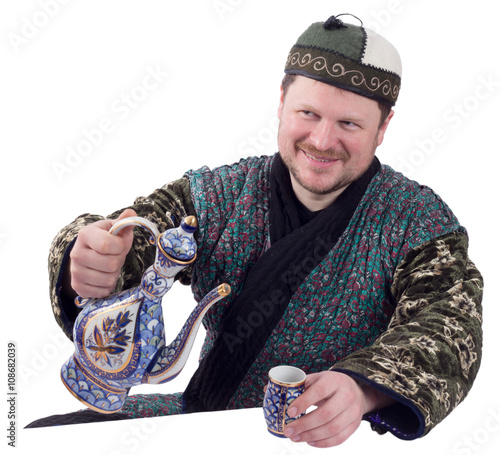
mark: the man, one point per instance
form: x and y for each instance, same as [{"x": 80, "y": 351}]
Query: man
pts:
[{"x": 338, "y": 264}]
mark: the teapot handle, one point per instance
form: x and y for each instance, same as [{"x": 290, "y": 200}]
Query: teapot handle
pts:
[
  {"x": 115, "y": 229},
  {"x": 136, "y": 221}
]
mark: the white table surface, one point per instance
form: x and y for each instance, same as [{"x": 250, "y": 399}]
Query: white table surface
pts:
[{"x": 235, "y": 432}]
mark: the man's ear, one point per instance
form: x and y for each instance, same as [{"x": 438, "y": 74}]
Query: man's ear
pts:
[
  {"x": 383, "y": 128},
  {"x": 282, "y": 101}
]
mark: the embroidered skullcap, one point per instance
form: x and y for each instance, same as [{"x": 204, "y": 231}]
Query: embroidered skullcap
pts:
[{"x": 350, "y": 57}]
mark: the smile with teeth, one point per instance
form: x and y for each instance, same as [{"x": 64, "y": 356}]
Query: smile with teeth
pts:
[{"x": 320, "y": 160}]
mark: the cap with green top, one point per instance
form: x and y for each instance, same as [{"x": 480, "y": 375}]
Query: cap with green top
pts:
[{"x": 350, "y": 57}]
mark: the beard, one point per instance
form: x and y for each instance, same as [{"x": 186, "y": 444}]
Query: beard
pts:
[{"x": 341, "y": 182}]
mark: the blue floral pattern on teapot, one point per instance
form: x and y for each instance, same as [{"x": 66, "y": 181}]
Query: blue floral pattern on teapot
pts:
[{"x": 120, "y": 341}]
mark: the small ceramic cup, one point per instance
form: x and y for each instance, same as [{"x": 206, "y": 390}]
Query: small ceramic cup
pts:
[{"x": 285, "y": 384}]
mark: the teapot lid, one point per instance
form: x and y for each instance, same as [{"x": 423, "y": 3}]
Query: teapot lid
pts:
[{"x": 179, "y": 243}]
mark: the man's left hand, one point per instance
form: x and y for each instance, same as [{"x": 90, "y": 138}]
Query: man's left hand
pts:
[{"x": 341, "y": 403}]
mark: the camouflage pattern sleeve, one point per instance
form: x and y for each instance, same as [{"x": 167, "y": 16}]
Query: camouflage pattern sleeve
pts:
[
  {"x": 430, "y": 354},
  {"x": 165, "y": 207}
]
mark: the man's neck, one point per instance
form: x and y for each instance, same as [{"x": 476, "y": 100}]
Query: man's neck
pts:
[{"x": 314, "y": 202}]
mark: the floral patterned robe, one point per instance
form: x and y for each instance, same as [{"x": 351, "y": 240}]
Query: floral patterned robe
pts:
[{"x": 396, "y": 304}]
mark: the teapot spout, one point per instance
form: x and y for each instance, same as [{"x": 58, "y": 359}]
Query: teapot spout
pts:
[
  {"x": 102, "y": 381},
  {"x": 172, "y": 359}
]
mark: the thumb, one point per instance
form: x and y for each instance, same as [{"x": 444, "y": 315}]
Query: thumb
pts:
[
  {"x": 126, "y": 233},
  {"x": 127, "y": 213}
]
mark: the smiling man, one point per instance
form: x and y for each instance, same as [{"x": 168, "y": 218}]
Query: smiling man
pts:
[
  {"x": 339, "y": 265},
  {"x": 327, "y": 138}
]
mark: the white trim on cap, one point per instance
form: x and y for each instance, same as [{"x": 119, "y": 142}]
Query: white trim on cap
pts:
[{"x": 381, "y": 54}]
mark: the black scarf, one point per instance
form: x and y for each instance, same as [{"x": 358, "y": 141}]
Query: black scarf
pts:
[{"x": 296, "y": 249}]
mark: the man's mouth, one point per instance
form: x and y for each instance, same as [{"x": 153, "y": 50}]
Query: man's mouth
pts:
[{"x": 318, "y": 158}]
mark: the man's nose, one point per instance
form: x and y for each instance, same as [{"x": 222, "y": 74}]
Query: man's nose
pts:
[{"x": 324, "y": 135}]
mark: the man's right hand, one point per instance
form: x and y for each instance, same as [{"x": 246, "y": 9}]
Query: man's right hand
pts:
[{"x": 97, "y": 258}]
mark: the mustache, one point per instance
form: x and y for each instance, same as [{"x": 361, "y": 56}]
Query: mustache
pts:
[{"x": 332, "y": 153}]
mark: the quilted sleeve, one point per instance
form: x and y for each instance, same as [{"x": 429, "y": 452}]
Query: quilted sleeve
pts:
[
  {"x": 430, "y": 354},
  {"x": 165, "y": 207}
]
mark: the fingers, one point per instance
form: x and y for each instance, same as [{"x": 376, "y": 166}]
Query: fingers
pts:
[
  {"x": 97, "y": 257},
  {"x": 339, "y": 402},
  {"x": 326, "y": 426},
  {"x": 96, "y": 237},
  {"x": 312, "y": 395},
  {"x": 94, "y": 274},
  {"x": 91, "y": 284},
  {"x": 331, "y": 438}
]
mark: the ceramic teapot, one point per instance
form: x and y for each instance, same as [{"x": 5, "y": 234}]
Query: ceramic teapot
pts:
[{"x": 119, "y": 340}]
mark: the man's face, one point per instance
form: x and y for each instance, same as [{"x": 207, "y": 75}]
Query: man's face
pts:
[{"x": 327, "y": 138}]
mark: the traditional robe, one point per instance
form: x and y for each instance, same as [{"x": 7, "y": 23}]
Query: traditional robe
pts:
[{"x": 390, "y": 298}]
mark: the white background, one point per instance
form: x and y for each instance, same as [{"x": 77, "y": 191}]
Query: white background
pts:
[{"x": 66, "y": 67}]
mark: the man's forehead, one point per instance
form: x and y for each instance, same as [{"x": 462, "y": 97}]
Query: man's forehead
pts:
[{"x": 305, "y": 87}]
